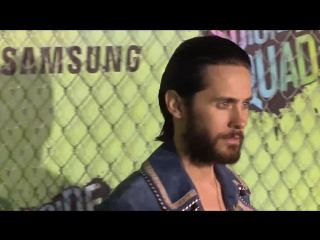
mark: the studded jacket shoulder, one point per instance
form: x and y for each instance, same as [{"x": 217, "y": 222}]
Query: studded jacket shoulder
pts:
[{"x": 162, "y": 184}]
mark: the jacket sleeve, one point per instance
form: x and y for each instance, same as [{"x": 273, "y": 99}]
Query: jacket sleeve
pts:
[{"x": 133, "y": 194}]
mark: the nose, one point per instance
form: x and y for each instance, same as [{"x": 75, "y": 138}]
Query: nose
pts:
[{"x": 238, "y": 119}]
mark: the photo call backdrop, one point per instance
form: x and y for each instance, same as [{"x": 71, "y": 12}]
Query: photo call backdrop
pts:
[{"x": 79, "y": 112}]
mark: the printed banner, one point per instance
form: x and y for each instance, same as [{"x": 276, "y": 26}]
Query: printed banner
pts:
[
  {"x": 284, "y": 62},
  {"x": 82, "y": 105}
]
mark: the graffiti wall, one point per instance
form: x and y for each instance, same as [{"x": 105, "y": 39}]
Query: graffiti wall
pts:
[
  {"x": 80, "y": 113},
  {"x": 284, "y": 61},
  {"x": 281, "y": 139}
]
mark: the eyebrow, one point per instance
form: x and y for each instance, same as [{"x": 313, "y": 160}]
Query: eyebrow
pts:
[{"x": 231, "y": 99}]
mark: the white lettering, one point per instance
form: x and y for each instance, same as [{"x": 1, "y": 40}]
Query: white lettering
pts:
[
  {"x": 58, "y": 206},
  {"x": 47, "y": 207},
  {"x": 67, "y": 199},
  {"x": 88, "y": 196}
]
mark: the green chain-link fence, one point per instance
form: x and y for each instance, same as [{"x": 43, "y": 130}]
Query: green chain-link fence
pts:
[{"x": 79, "y": 105}]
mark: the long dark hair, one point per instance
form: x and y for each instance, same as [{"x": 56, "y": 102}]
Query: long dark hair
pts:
[{"x": 185, "y": 72}]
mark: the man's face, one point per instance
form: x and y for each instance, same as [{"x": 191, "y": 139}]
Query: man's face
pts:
[{"x": 216, "y": 119}]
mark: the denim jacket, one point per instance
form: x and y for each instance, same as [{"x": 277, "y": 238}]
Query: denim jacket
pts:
[{"x": 162, "y": 184}]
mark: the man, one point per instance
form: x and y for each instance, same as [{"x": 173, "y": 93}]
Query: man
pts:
[{"x": 204, "y": 98}]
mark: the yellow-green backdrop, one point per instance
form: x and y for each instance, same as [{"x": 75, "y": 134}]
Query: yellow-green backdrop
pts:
[{"x": 62, "y": 129}]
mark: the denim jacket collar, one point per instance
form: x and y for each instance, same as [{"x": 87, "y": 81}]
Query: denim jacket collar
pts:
[{"x": 173, "y": 187}]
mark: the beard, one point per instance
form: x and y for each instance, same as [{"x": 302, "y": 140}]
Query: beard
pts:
[{"x": 203, "y": 150}]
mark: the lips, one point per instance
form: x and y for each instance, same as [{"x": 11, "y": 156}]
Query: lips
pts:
[{"x": 233, "y": 140}]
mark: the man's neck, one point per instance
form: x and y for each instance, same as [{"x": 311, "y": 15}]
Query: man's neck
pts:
[{"x": 196, "y": 173}]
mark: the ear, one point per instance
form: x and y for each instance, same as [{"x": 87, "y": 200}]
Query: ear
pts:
[{"x": 174, "y": 103}]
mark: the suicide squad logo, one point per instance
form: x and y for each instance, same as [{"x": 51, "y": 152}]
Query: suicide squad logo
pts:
[{"x": 283, "y": 63}]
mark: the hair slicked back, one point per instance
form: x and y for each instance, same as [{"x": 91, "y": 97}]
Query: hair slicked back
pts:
[{"x": 184, "y": 72}]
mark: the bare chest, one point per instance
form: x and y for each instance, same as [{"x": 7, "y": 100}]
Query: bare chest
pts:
[{"x": 211, "y": 197}]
